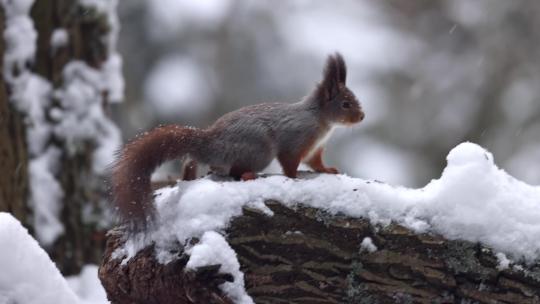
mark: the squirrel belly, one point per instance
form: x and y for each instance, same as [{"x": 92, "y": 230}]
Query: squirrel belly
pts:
[{"x": 240, "y": 143}]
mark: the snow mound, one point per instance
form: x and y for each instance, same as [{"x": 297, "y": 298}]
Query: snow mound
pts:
[
  {"x": 28, "y": 274},
  {"x": 476, "y": 201},
  {"x": 214, "y": 249}
]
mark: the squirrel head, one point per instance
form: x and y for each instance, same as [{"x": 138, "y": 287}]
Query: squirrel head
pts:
[{"x": 335, "y": 101}]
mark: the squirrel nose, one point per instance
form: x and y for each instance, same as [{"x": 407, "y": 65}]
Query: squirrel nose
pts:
[{"x": 362, "y": 115}]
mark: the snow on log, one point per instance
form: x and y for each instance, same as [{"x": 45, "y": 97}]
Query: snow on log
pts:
[{"x": 473, "y": 235}]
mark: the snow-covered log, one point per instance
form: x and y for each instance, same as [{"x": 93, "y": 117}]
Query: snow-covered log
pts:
[
  {"x": 305, "y": 255},
  {"x": 471, "y": 236},
  {"x": 145, "y": 280}
]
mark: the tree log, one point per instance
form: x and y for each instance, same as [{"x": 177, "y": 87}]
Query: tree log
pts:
[
  {"x": 305, "y": 255},
  {"x": 144, "y": 280}
]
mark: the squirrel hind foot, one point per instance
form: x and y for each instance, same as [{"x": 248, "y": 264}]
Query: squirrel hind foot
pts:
[
  {"x": 248, "y": 176},
  {"x": 329, "y": 170}
]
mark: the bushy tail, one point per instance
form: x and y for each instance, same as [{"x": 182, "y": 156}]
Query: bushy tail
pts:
[{"x": 131, "y": 173}]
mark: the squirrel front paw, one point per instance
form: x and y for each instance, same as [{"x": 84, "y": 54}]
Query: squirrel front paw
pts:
[{"x": 330, "y": 170}]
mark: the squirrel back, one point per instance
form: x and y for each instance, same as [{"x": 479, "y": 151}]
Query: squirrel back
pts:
[{"x": 240, "y": 143}]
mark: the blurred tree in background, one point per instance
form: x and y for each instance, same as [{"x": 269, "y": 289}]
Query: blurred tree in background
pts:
[
  {"x": 430, "y": 74},
  {"x": 53, "y": 124}
]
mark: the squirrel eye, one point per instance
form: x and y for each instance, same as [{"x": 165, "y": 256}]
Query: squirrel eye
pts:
[{"x": 346, "y": 104}]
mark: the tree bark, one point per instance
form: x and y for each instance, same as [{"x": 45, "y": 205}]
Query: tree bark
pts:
[
  {"x": 83, "y": 239},
  {"x": 308, "y": 256},
  {"x": 144, "y": 280},
  {"x": 13, "y": 153}
]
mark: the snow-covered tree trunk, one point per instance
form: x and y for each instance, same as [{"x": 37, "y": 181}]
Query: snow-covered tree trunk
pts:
[
  {"x": 61, "y": 72},
  {"x": 13, "y": 155},
  {"x": 80, "y": 243},
  {"x": 304, "y": 255}
]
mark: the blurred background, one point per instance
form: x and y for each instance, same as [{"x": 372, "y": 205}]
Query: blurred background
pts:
[{"x": 430, "y": 74}]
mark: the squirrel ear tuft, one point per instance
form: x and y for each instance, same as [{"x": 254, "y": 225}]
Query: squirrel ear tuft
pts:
[
  {"x": 342, "y": 68},
  {"x": 335, "y": 73}
]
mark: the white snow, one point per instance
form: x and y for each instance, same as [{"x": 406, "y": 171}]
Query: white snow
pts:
[
  {"x": 81, "y": 116},
  {"x": 31, "y": 95},
  {"x": 504, "y": 262},
  {"x": 59, "y": 38},
  {"x": 473, "y": 200},
  {"x": 27, "y": 273},
  {"x": 367, "y": 245},
  {"x": 29, "y": 276},
  {"x": 45, "y": 195},
  {"x": 87, "y": 286},
  {"x": 214, "y": 249},
  {"x": 19, "y": 36},
  {"x": 112, "y": 78}
]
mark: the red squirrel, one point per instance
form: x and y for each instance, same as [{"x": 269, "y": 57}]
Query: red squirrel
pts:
[{"x": 240, "y": 143}]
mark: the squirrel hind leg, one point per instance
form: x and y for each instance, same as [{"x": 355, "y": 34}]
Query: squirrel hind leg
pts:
[
  {"x": 290, "y": 164},
  {"x": 190, "y": 171},
  {"x": 239, "y": 173},
  {"x": 250, "y": 175}
]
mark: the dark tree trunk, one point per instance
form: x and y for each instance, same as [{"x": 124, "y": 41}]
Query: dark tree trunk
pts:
[
  {"x": 308, "y": 256},
  {"x": 83, "y": 240},
  {"x": 13, "y": 153}
]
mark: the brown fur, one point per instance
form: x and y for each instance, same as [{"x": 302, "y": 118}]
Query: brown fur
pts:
[{"x": 139, "y": 158}]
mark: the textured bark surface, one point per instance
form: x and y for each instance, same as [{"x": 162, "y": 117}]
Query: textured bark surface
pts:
[
  {"x": 13, "y": 153},
  {"x": 308, "y": 256},
  {"x": 144, "y": 280}
]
